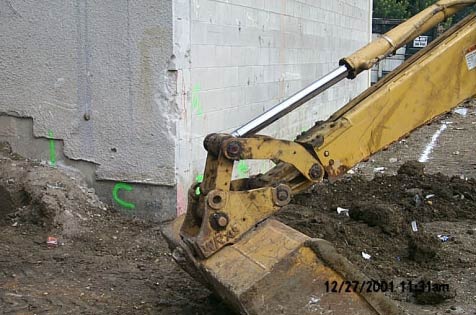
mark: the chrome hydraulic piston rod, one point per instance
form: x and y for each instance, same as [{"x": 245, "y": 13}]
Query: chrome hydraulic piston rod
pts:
[
  {"x": 359, "y": 61},
  {"x": 291, "y": 103}
]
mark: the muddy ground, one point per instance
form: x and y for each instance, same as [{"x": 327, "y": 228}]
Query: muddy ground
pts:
[{"x": 108, "y": 263}]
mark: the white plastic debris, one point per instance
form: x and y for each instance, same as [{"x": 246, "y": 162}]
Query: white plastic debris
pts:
[
  {"x": 393, "y": 160},
  {"x": 51, "y": 241},
  {"x": 350, "y": 172},
  {"x": 342, "y": 211},
  {"x": 55, "y": 186},
  {"x": 429, "y": 196},
  {"x": 417, "y": 200},
  {"x": 314, "y": 305},
  {"x": 379, "y": 169},
  {"x": 462, "y": 111},
  {"x": 443, "y": 238},
  {"x": 366, "y": 256},
  {"x": 414, "y": 226}
]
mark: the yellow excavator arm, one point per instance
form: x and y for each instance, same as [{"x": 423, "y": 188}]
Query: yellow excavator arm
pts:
[{"x": 258, "y": 265}]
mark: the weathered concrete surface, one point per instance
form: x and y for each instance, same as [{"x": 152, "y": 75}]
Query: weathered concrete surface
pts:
[
  {"x": 130, "y": 88},
  {"x": 154, "y": 202},
  {"x": 95, "y": 73}
]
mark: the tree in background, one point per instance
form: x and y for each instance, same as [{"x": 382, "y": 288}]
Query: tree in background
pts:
[
  {"x": 403, "y": 9},
  {"x": 390, "y": 9},
  {"x": 415, "y": 6}
]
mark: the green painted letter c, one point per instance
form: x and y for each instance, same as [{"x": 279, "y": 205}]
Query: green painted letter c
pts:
[{"x": 121, "y": 202}]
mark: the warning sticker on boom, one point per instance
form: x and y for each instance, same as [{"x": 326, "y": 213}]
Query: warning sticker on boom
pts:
[{"x": 470, "y": 55}]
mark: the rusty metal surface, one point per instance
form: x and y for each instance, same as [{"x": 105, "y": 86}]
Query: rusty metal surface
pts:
[{"x": 289, "y": 152}]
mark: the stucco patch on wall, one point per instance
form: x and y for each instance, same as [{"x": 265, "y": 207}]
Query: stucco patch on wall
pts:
[{"x": 96, "y": 74}]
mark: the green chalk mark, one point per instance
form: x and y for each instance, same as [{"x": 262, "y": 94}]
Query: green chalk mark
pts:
[
  {"x": 116, "y": 198},
  {"x": 199, "y": 179},
  {"x": 196, "y": 100},
  {"x": 242, "y": 169},
  {"x": 52, "y": 149}
]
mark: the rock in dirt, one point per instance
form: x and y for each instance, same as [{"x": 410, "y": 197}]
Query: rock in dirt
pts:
[
  {"x": 422, "y": 247},
  {"x": 385, "y": 216},
  {"x": 412, "y": 168}
]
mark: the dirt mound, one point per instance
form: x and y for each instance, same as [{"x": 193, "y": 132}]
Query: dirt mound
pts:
[
  {"x": 31, "y": 192},
  {"x": 401, "y": 221},
  {"x": 104, "y": 262}
]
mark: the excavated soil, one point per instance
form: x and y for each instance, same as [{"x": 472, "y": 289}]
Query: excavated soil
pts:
[
  {"x": 105, "y": 262},
  {"x": 379, "y": 223}
]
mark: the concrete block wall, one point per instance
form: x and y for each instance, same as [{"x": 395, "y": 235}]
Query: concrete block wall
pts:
[
  {"x": 245, "y": 56},
  {"x": 94, "y": 76},
  {"x": 128, "y": 89}
]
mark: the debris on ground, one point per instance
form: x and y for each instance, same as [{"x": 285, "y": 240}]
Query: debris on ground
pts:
[
  {"x": 112, "y": 264},
  {"x": 382, "y": 224},
  {"x": 59, "y": 256}
]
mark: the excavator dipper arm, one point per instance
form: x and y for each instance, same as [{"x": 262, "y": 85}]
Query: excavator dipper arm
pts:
[{"x": 258, "y": 265}]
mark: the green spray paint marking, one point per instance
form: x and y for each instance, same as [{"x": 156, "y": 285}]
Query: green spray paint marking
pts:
[
  {"x": 199, "y": 179},
  {"x": 121, "y": 202},
  {"x": 242, "y": 169},
  {"x": 52, "y": 149},
  {"x": 196, "y": 100}
]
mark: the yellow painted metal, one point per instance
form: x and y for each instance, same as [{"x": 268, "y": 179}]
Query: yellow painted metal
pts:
[
  {"x": 366, "y": 57},
  {"x": 218, "y": 171},
  {"x": 276, "y": 270},
  {"x": 260, "y": 147},
  {"x": 242, "y": 209},
  {"x": 427, "y": 86},
  {"x": 264, "y": 267}
]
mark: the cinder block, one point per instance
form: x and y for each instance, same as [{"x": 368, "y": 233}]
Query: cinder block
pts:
[
  {"x": 230, "y": 76},
  {"x": 203, "y": 55},
  {"x": 259, "y": 52},
  {"x": 223, "y": 11},
  {"x": 206, "y": 11},
  {"x": 199, "y": 32},
  {"x": 274, "y": 6},
  {"x": 222, "y": 56}
]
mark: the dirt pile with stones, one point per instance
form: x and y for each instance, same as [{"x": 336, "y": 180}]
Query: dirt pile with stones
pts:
[
  {"x": 379, "y": 223},
  {"x": 102, "y": 263}
]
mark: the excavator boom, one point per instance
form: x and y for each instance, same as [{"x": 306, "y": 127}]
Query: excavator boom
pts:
[{"x": 258, "y": 265}]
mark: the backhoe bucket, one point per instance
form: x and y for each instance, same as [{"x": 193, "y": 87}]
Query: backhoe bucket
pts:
[{"x": 275, "y": 269}]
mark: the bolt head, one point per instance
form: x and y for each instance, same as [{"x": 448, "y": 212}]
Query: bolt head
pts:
[
  {"x": 233, "y": 149},
  {"x": 219, "y": 221},
  {"x": 222, "y": 221},
  {"x": 282, "y": 195},
  {"x": 315, "y": 171}
]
